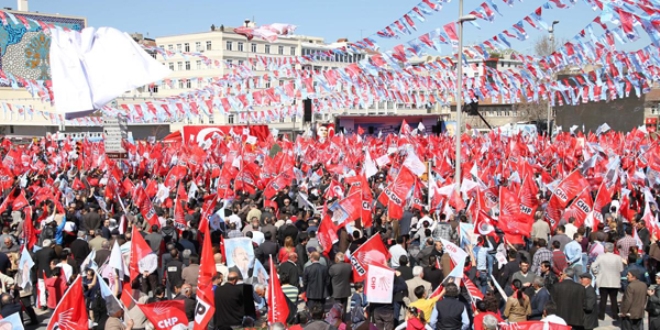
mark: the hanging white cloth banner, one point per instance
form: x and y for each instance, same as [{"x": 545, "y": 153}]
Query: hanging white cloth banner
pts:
[{"x": 92, "y": 67}]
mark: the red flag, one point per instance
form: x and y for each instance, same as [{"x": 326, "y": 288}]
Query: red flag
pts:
[
  {"x": 570, "y": 187},
  {"x": 77, "y": 184},
  {"x": 71, "y": 312},
  {"x": 207, "y": 264},
  {"x": 180, "y": 215},
  {"x": 29, "y": 232},
  {"x": 483, "y": 224},
  {"x": 222, "y": 249},
  {"x": 580, "y": 208},
  {"x": 149, "y": 213},
  {"x": 20, "y": 201},
  {"x": 511, "y": 219},
  {"x": 372, "y": 252},
  {"x": 347, "y": 210},
  {"x": 139, "y": 250},
  {"x": 164, "y": 315},
  {"x": 205, "y": 307},
  {"x": 278, "y": 308},
  {"x": 327, "y": 234}
]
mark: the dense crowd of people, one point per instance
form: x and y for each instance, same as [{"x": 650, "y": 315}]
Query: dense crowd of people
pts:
[{"x": 75, "y": 213}]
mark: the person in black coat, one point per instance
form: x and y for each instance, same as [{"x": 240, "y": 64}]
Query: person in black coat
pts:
[
  {"x": 42, "y": 259},
  {"x": 316, "y": 280},
  {"x": 80, "y": 248},
  {"x": 432, "y": 274},
  {"x": 290, "y": 268},
  {"x": 233, "y": 301},
  {"x": 9, "y": 307},
  {"x": 590, "y": 303},
  {"x": 569, "y": 297}
]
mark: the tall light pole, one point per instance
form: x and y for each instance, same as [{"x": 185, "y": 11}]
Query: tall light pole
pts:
[
  {"x": 459, "y": 92},
  {"x": 247, "y": 61},
  {"x": 552, "y": 50}
]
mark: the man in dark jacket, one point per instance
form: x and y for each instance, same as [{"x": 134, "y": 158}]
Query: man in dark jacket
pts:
[
  {"x": 80, "y": 248},
  {"x": 233, "y": 301},
  {"x": 290, "y": 268},
  {"x": 432, "y": 274},
  {"x": 539, "y": 299},
  {"x": 590, "y": 303},
  {"x": 634, "y": 302},
  {"x": 569, "y": 297},
  {"x": 91, "y": 220},
  {"x": 449, "y": 313},
  {"x": 341, "y": 277},
  {"x": 315, "y": 280},
  {"x": 42, "y": 259}
]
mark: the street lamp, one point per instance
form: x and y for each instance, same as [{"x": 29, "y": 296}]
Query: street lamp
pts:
[
  {"x": 247, "y": 60},
  {"x": 459, "y": 92},
  {"x": 551, "y": 30}
]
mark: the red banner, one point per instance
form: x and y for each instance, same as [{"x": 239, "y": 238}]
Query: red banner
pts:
[{"x": 201, "y": 133}]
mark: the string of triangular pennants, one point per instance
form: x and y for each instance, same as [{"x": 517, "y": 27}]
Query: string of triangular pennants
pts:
[{"x": 373, "y": 79}]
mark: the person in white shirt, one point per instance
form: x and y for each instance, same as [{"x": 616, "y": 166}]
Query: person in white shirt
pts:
[
  {"x": 549, "y": 315},
  {"x": 570, "y": 228},
  {"x": 396, "y": 251}
]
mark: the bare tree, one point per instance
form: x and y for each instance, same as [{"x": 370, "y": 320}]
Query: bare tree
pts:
[
  {"x": 544, "y": 47},
  {"x": 533, "y": 111}
]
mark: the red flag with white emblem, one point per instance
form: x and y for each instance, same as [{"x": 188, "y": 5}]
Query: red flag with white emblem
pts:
[
  {"x": 71, "y": 312},
  {"x": 278, "y": 310}
]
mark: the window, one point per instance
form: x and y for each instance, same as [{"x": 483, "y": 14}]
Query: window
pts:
[
  {"x": 655, "y": 110},
  {"x": 280, "y": 50},
  {"x": 293, "y": 51},
  {"x": 240, "y": 46},
  {"x": 153, "y": 55},
  {"x": 198, "y": 46},
  {"x": 267, "y": 84},
  {"x": 267, "y": 49},
  {"x": 153, "y": 89},
  {"x": 281, "y": 82},
  {"x": 186, "y": 47},
  {"x": 240, "y": 62},
  {"x": 187, "y": 65},
  {"x": 230, "y": 119},
  {"x": 180, "y": 84},
  {"x": 208, "y": 45},
  {"x": 229, "y": 45},
  {"x": 254, "y": 47},
  {"x": 179, "y": 66},
  {"x": 188, "y": 83},
  {"x": 178, "y": 47},
  {"x": 171, "y": 65},
  {"x": 199, "y": 65},
  {"x": 170, "y": 47},
  {"x": 229, "y": 62}
]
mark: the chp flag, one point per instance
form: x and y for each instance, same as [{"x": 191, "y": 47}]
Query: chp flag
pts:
[{"x": 380, "y": 284}]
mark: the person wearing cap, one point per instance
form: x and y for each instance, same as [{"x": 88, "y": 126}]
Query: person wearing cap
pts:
[
  {"x": 590, "y": 303},
  {"x": 634, "y": 302},
  {"x": 653, "y": 306}
]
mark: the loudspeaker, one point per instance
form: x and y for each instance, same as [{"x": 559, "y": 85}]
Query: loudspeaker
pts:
[
  {"x": 371, "y": 130},
  {"x": 307, "y": 106},
  {"x": 472, "y": 109}
]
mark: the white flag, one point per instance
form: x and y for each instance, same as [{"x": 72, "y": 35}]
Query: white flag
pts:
[{"x": 380, "y": 284}]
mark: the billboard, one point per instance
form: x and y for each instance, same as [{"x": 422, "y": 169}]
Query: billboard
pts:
[
  {"x": 201, "y": 133},
  {"x": 622, "y": 114},
  {"x": 24, "y": 47}
]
